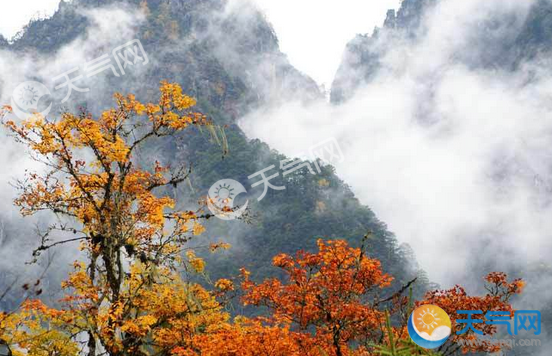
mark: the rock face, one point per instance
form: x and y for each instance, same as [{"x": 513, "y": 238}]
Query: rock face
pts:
[
  {"x": 504, "y": 41},
  {"x": 362, "y": 56},
  {"x": 230, "y": 60},
  {"x": 201, "y": 37}
]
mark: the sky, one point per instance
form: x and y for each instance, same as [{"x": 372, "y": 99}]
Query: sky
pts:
[
  {"x": 16, "y": 14},
  {"x": 312, "y": 33}
]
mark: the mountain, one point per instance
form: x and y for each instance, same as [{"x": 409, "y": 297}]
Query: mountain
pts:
[
  {"x": 363, "y": 55},
  {"x": 504, "y": 41},
  {"x": 229, "y": 59}
]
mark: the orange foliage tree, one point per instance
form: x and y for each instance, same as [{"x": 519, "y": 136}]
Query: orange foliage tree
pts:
[
  {"x": 331, "y": 301},
  {"x": 499, "y": 293},
  {"x": 325, "y": 293}
]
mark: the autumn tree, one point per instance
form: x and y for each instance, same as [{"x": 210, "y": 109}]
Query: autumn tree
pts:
[
  {"x": 125, "y": 295},
  {"x": 331, "y": 300},
  {"x": 499, "y": 292},
  {"x": 325, "y": 293}
]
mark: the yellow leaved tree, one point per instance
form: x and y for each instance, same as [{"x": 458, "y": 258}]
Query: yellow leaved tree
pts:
[{"x": 126, "y": 296}]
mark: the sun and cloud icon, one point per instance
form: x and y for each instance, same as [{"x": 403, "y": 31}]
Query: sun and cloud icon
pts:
[
  {"x": 429, "y": 326},
  {"x": 29, "y": 95},
  {"x": 224, "y": 194},
  {"x": 27, "y": 99},
  {"x": 221, "y": 199}
]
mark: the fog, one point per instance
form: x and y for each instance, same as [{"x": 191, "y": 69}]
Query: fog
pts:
[
  {"x": 110, "y": 27},
  {"x": 453, "y": 157}
]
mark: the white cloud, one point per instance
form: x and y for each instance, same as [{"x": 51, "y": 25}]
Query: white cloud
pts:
[{"x": 455, "y": 160}]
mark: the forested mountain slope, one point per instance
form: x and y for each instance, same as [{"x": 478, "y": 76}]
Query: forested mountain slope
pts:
[{"x": 229, "y": 59}]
